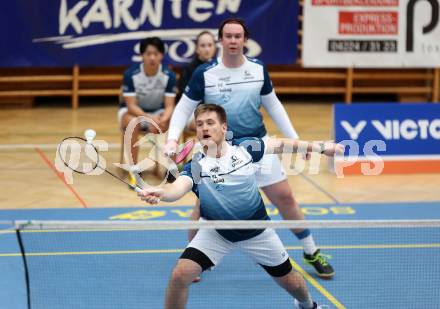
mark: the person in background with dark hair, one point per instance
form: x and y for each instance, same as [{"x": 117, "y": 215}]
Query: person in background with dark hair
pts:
[
  {"x": 149, "y": 90},
  {"x": 205, "y": 52}
]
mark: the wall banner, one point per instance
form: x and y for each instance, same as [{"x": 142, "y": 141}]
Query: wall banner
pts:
[
  {"x": 106, "y": 32},
  {"x": 406, "y": 137},
  {"x": 371, "y": 33}
]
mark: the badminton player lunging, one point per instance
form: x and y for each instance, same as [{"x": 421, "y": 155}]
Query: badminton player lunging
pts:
[
  {"x": 242, "y": 85},
  {"x": 222, "y": 176}
]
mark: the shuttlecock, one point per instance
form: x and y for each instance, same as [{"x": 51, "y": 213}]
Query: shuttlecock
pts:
[{"x": 89, "y": 134}]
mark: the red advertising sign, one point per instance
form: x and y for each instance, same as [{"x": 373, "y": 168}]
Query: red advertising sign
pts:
[
  {"x": 368, "y": 22},
  {"x": 371, "y": 33},
  {"x": 356, "y": 2}
]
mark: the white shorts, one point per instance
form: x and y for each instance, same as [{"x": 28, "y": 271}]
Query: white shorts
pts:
[
  {"x": 265, "y": 249},
  {"x": 269, "y": 169}
]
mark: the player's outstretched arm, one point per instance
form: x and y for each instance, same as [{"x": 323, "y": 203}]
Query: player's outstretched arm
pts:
[
  {"x": 167, "y": 193},
  {"x": 287, "y": 145}
]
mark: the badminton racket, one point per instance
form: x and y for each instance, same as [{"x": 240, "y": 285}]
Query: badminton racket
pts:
[{"x": 82, "y": 157}]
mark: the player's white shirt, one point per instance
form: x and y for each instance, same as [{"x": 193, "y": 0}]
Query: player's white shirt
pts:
[
  {"x": 148, "y": 90},
  {"x": 237, "y": 90},
  {"x": 227, "y": 187}
]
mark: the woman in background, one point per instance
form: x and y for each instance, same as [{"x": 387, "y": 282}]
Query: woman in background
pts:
[{"x": 205, "y": 51}]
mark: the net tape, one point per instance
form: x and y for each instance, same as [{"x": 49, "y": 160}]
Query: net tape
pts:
[{"x": 213, "y": 224}]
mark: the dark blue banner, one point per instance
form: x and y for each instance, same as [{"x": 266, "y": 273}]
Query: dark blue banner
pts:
[
  {"x": 106, "y": 32},
  {"x": 405, "y": 129}
]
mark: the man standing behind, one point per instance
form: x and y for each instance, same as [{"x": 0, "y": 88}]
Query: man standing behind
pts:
[{"x": 241, "y": 85}]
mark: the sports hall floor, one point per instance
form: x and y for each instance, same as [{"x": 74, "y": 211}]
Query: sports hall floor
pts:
[{"x": 374, "y": 268}]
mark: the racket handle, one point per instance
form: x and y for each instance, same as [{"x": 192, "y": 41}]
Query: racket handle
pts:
[{"x": 137, "y": 189}]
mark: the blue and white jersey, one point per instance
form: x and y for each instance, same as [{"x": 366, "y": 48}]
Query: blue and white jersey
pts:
[
  {"x": 148, "y": 90},
  {"x": 226, "y": 186},
  {"x": 237, "y": 90}
]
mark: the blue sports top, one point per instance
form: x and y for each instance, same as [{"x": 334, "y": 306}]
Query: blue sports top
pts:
[
  {"x": 237, "y": 90},
  {"x": 226, "y": 186}
]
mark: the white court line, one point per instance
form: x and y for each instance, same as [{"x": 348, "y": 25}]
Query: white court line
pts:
[{"x": 44, "y": 146}]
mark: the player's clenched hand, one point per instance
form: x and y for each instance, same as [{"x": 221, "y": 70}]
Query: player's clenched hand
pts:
[
  {"x": 151, "y": 195},
  {"x": 331, "y": 149}
]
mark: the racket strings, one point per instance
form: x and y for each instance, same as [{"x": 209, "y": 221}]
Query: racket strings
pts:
[{"x": 78, "y": 155}]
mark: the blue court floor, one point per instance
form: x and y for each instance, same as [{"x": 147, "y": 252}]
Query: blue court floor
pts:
[{"x": 375, "y": 268}]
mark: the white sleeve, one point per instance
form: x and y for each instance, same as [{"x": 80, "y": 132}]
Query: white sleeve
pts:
[
  {"x": 180, "y": 116},
  {"x": 278, "y": 114}
]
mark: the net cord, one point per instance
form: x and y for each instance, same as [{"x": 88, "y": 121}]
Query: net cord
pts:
[{"x": 223, "y": 224}]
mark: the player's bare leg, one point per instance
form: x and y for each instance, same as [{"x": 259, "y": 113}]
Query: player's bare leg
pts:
[
  {"x": 295, "y": 285},
  {"x": 195, "y": 215},
  {"x": 182, "y": 276},
  {"x": 281, "y": 196}
]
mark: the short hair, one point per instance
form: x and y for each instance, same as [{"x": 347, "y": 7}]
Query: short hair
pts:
[
  {"x": 203, "y": 33},
  {"x": 209, "y": 107},
  {"x": 233, "y": 20},
  {"x": 154, "y": 41}
]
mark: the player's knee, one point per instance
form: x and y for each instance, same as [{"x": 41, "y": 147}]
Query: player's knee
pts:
[
  {"x": 285, "y": 199},
  {"x": 197, "y": 257},
  {"x": 279, "y": 271},
  {"x": 181, "y": 276},
  {"x": 295, "y": 281}
]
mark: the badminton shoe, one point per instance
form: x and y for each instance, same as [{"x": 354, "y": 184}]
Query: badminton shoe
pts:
[
  {"x": 315, "y": 305},
  {"x": 320, "y": 263}
]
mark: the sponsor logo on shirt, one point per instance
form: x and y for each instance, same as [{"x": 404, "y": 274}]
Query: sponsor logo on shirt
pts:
[
  {"x": 225, "y": 79},
  {"x": 235, "y": 161},
  {"x": 217, "y": 179},
  {"x": 247, "y": 75}
]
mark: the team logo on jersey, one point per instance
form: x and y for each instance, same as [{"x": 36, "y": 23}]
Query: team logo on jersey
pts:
[
  {"x": 226, "y": 97},
  {"x": 235, "y": 160},
  {"x": 159, "y": 84},
  {"x": 247, "y": 75},
  {"x": 214, "y": 169}
]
